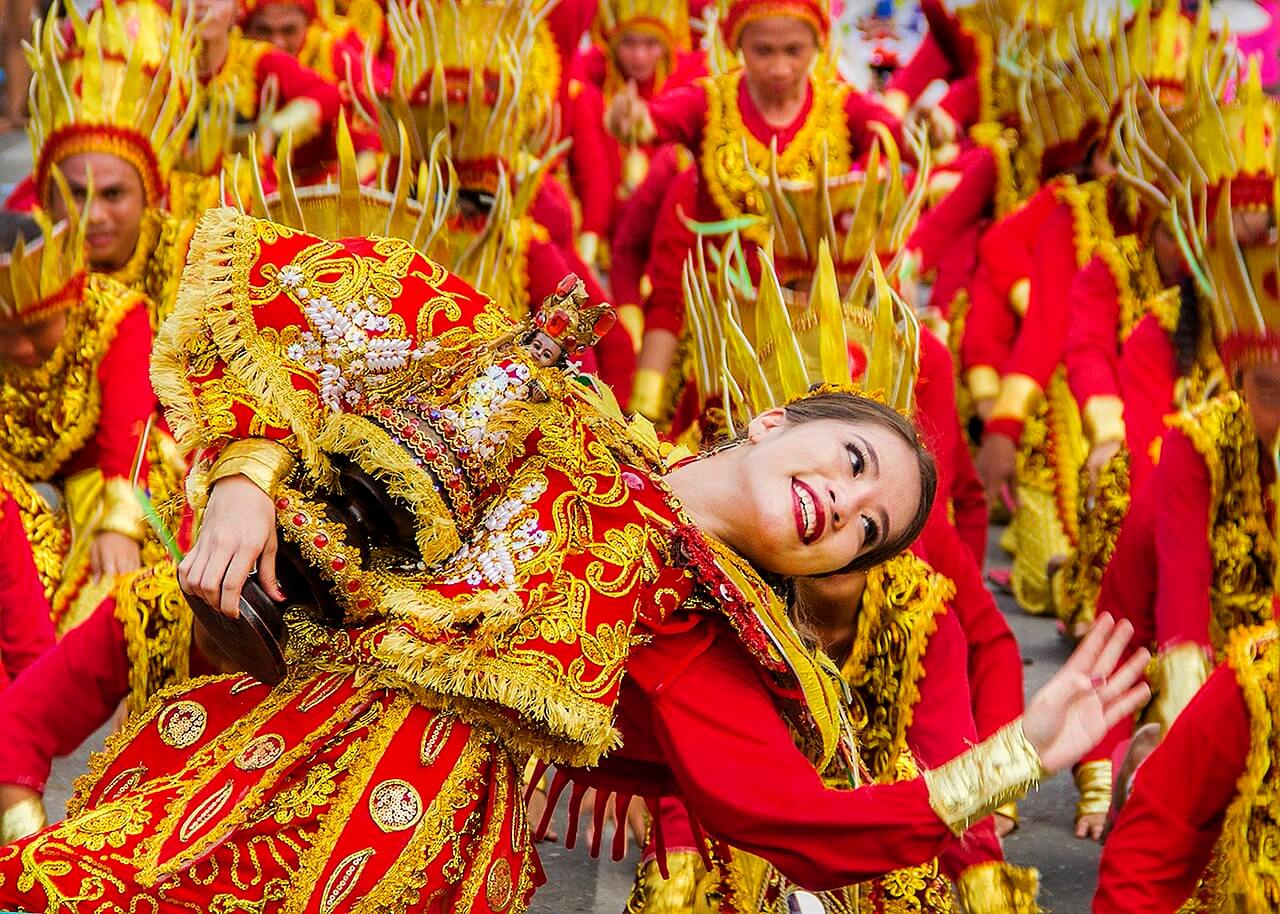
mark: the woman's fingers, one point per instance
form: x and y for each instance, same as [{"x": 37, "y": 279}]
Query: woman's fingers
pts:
[
  {"x": 267, "y": 570},
  {"x": 1084, "y": 657},
  {"x": 1121, "y": 680},
  {"x": 232, "y": 583},
  {"x": 1126, "y": 705},
  {"x": 1113, "y": 649}
]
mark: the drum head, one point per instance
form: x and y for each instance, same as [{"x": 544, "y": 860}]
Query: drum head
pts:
[{"x": 254, "y": 642}]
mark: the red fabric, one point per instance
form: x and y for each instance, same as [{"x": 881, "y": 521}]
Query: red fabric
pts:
[
  {"x": 1043, "y": 334},
  {"x": 995, "y": 661},
  {"x": 26, "y": 631},
  {"x": 595, "y": 159},
  {"x": 127, "y": 400},
  {"x": 947, "y": 236},
  {"x": 1092, "y": 354},
  {"x": 1148, "y": 376},
  {"x": 23, "y": 198},
  {"x": 1166, "y": 832},
  {"x": 672, "y": 241},
  {"x": 963, "y": 102},
  {"x": 1183, "y": 556},
  {"x": 927, "y": 64},
  {"x": 633, "y": 234},
  {"x": 296, "y": 81},
  {"x": 66, "y": 695}
]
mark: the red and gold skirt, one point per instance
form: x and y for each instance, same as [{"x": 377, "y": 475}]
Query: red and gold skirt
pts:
[{"x": 328, "y": 793}]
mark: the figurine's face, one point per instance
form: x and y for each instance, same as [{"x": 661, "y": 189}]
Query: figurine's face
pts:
[
  {"x": 281, "y": 24},
  {"x": 115, "y": 211},
  {"x": 638, "y": 54},
  {"x": 27, "y": 345},
  {"x": 1261, "y": 387},
  {"x": 777, "y": 54},
  {"x": 815, "y": 495},
  {"x": 544, "y": 349}
]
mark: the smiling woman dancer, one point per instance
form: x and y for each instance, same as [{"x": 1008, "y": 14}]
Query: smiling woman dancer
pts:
[{"x": 556, "y": 552}]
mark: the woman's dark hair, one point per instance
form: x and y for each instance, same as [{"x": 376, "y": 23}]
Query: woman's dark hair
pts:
[
  {"x": 15, "y": 225},
  {"x": 1186, "y": 335},
  {"x": 848, "y": 407}
]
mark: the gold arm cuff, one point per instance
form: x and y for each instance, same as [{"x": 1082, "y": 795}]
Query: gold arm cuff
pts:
[
  {"x": 631, "y": 317},
  {"x": 121, "y": 512},
  {"x": 984, "y": 382},
  {"x": 1020, "y": 296},
  {"x": 971, "y": 786},
  {"x": 897, "y": 102},
  {"x": 1176, "y": 674},
  {"x": 1009, "y": 811},
  {"x": 997, "y": 887},
  {"x": 1093, "y": 780},
  {"x": 22, "y": 819},
  {"x": 588, "y": 247},
  {"x": 647, "y": 393},
  {"x": 646, "y": 286},
  {"x": 942, "y": 183},
  {"x": 302, "y": 117},
  {"x": 1019, "y": 398},
  {"x": 265, "y": 463},
  {"x": 1103, "y": 419}
]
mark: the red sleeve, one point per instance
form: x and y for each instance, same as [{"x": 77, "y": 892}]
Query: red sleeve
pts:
[
  {"x": 127, "y": 397},
  {"x": 861, "y": 111},
  {"x": 936, "y": 412},
  {"x": 926, "y": 64},
  {"x": 994, "y": 659},
  {"x": 553, "y": 210},
  {"x": 745, "y": 783},
  {"x": 991, "y": 326},
  {"x": 942, "y": 728},
  {"x": 26, "y": 629},
  {"x": 969, "y": 506},
  {"x": 679, "y": 116},
  {"x": 634, "y": 230},
  {"x": 1166, "y": 832},
  {"x": 59, "y": 701},
  {"x": 593, "y": 159},
  {"x": 1183, "y": 555},
  {"x": 967, "y": 203},
  {"x": 962, "y": 101},
  {"x": 569, "y": 21},
  {"x": 672, "y": 242},
  {"x": 1044, "y": 329},
  {"x": 296, "y": 81},
  {"x": 1148, "y": 375},
  {"x": 1092, "y": 353}
]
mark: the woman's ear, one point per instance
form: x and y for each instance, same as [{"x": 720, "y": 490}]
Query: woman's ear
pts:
[{"x": 766, "y": 422}]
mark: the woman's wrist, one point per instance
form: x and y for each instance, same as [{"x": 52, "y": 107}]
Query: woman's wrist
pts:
[{"x": 264, "y": 463}]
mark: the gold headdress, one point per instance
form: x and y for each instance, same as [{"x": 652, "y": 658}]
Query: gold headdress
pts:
[
  {"x": 668, "y": 21},
  {"x": 45, "y": 275},
  {"x": 759, "y": 347},
  {"x": 1165, "y": 50},
  {"x": 123, "y": 86}
]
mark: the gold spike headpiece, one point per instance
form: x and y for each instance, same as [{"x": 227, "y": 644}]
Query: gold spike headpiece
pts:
[
  {"x": 45, "y": 275},
  {"x": 124, "y": 86},
  {"x": 483, "y": 72}
]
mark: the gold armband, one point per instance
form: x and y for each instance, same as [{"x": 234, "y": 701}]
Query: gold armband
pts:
[
  {"x": 588, "y": 247},
  {"x": 897, "y": 102},
  {"x": 971, "y": 786},
  {"x": 22, "y": 819},
  {"x": 121, "y": 512},
  {"x": 264, "y": 463},
  {"x": 1020, "y": 296},
  {"x": 1176, "y": 674},
  {"x": 302, "y": 118},
  {"x": 984, "y": 382},
  {"x": 1103, "y": 419},
  {"x": 631, "y": 317},
  {"x": 646, "y": 393},
  {"x": 1093, "y": 780},
  {"x": 1018, "y": 399},
  {"x": 997, "y": 887}
]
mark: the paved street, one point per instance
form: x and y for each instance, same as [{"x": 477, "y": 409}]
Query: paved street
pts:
[{"x": 579, "y": 885}]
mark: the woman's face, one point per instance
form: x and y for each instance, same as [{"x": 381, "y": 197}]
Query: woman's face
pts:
[
  {"x": 777, "y": 53},
  {"x": 637, "y": 54},
  {"x": 816, "y": 495},
  {"x": 1261, "y": 387}
]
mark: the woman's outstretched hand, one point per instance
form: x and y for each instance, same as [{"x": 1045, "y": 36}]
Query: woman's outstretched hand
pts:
[
  {"x": 1077, "y": 707},
  {"x": 237, "y": 533}
]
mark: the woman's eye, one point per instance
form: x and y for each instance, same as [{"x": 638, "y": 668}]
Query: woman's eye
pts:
[
  {"x": 856, "y": 460},
  {"x": 870, "y": 532}
]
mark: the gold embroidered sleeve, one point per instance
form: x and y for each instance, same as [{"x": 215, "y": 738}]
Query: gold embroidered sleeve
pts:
[
  {"x": 1093, "y": 780},
  {"x": 1018, "y": 399},
  {"x": 984, "y": 382},
  {"x": 265, "y": 463},
  {"x": 121, "y": 512},
  {"x": 1002, "y": 767},
  {"x": 1177, "y": 673}
]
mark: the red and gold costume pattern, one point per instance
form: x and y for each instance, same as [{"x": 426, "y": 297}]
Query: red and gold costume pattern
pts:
[{"x": 575, "y": 532}]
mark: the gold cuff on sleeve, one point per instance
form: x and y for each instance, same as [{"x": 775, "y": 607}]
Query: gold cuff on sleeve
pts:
[
  {"x": 302, "y": 117},
  {"x": 971, "y": 786},
  {"x": 997, "y": 887},
  {"x": 22, "y": 819},
  {"x": 1020, "y": 296},
  {"x": 1176, "y": 674},
  {"x": 265, "y": 463},
  {"x": 897, "y": 102},
  {"x": 646, "y": 393},
  {"x": 121, "y": 512},
  {"x": 1093, "y": 780},
  {"x": 1019, "y": 398},
  {"x": 631, "y": 317},
  {"x": 984, "y": 382},
  {"x": 1103, "y": 419}
]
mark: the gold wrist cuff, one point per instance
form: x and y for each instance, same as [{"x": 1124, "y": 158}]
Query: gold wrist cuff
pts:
[
  {"x": 121, "y": 512},
  {"x": 1009, "y": 811},
  {"x": 588, "y": 247},
  {"x": 631, "y": 317},
  {"x": 897, "y": 102},
  {"x": 646, "y": 393},
  {"x": 1020, "y": 296},
  {"x": 302, "y": 118},
  {"x": 997, "y": 887},
  {"x": 1103, "y": 418},
  {"x": 1019, "y": 398},
  {"x": 264, "y": 463},
  {"x": 971, "y": 786},
  {"x": 1093, "y": 780},
  {"x": 1176, "y": 675},
  {"x": 22, "y": 819},
  {"x": 984, "y": 382}
]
